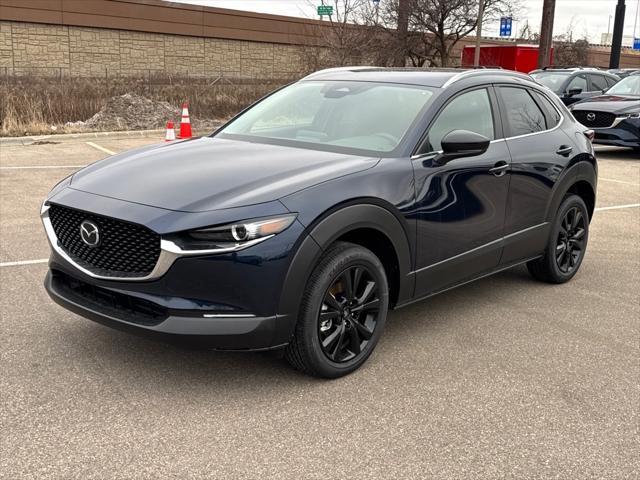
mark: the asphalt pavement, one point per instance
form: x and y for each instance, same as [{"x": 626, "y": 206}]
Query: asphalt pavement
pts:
[{"x": 502, "y": 378}]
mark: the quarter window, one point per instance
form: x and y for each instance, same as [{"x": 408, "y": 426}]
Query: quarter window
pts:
[
  {"x": 523, "y": 114},
  {"x": 469, "y": 111}
]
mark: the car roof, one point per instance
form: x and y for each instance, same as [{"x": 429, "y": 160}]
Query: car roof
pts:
[{"x": 438, "y": 78}]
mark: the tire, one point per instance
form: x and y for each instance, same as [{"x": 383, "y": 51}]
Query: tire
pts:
[
  {"x": 328, "y": 346},
  {"x": 567, "y": 243}
]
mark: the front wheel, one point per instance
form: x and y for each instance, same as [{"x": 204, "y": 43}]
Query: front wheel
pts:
[
  {"x": 567, "y": 243},
  {"x": 343, "y": 312}
]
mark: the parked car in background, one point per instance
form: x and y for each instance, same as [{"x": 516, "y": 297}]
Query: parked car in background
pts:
[
  {"x": 304, "y": 219},
  {"x": 575, "y": 84},
  {"x": 623, "y": 72},
  {"x": 615, "y": 116}
]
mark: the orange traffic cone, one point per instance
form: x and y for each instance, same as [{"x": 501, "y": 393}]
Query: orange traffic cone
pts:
[
  {"x": 171, "y": 133},
  {"x": 185, "y": 123}
]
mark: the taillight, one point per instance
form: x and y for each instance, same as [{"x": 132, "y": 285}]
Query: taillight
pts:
[{"x": 590, "y": 134}]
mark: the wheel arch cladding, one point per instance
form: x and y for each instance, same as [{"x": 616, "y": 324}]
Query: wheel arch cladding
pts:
[
  {"x": 368, "y": 225},
  {"x": 580, "y": 179}
]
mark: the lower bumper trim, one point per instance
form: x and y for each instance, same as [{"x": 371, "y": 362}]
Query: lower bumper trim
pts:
[{"x": 224, "y": 333}]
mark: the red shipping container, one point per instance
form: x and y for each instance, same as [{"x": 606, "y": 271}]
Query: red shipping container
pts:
[{"x": 522, "y": 58}]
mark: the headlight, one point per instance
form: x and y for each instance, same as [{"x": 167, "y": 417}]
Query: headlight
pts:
[
  {"x": 232, "y": 236},
  {"x": 630, "y": 115}
]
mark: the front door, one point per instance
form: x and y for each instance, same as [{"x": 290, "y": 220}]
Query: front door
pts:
[{"x": 460, "y": 206}]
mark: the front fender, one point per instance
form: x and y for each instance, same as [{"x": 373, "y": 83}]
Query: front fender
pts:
[{"x": 321, "y": 234}]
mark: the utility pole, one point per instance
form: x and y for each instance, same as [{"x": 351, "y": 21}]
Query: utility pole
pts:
[
  {"x": 403, "y": 29},
  {"x": 476, "y": 57},
  {"x": 618, "y": 27},
  {"x": 546, "y": 33}
]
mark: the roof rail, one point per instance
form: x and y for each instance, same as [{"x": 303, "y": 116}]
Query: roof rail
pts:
[
  {"x": 568, "y": 67},
  {"x": 487, "y": 71},
  {"x": 341, "y": 69}
]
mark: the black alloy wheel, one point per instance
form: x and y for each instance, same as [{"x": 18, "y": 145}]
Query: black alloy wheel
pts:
[
  {"x": 570, "y": 242},
  {"x": 567, "y": 243},
  {"x": 342, "y": 313},
  {"x": 349, "y": 314}
]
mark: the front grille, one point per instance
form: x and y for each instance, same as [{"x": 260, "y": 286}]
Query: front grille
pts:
[
  {"x": 125, "y": 249},
  {"x": 114, "y": 304},
  {"x": 598, "y": 120}
]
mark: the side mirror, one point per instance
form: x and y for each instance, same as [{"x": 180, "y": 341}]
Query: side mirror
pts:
[
  {"x": 574, "y": 91},
  {"x": 462, "y": 143}
]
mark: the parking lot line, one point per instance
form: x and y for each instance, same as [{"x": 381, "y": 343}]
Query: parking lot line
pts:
[
  {"x": 35, "y": 167},
  {"x": 23, "y": 262},
  {"x": 102, "y": 149},
  {"x": 619, "y": 181},
  {"x": 616, "y": 207}
]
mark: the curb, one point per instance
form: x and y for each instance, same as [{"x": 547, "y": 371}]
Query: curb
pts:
[{"x": 69, "y": 137}]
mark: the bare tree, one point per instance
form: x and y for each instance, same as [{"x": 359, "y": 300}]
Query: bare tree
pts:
[
  {"x": 346, "y": 38},
  {"x": 527, "y": 33},
  {"x": 423, "y": 32},
  {"x": 449, "y": 21},
  {"x": 436, "y": 26}
]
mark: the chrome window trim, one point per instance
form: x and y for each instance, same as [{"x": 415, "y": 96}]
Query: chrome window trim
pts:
[
  {"x": 503, "y": 139},
  {"x": 169, "y": 252}
]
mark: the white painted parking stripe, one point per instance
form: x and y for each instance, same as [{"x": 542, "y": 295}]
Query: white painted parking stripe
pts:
[
  {"x": 617, "y": 207},
  {"x": 35, "y": 167},
  {"x": 619, "y": 181},
  {"x": 23, "y": 262},
  {"x": 102, "y": 149}
]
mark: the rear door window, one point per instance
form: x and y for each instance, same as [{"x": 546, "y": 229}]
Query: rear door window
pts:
[
  {"x": 598, "y": 82},
  {"x": 550, "y": 112},
  {"x": 523, "y": 116}
]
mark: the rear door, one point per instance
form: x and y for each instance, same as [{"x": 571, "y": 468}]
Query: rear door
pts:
[{"x": 540, "y": 150}]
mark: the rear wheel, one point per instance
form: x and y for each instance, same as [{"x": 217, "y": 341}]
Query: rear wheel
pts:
[
  {"x": 343, "y": 312},
  {"x": 567, "y": 243}
]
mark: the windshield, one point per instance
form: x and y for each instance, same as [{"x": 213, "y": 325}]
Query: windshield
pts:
[
  {"x": 551, "y": 80},
  {"x": 626, "y": 86},
  {"x": 334, "y": 115}
]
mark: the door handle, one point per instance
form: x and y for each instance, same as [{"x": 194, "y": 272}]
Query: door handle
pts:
[
  {"x": 499, "y": 169},
  {"x": 564, "y": 150}
]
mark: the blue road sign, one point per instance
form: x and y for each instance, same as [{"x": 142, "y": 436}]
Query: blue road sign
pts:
[
  {"x": 505, "y": 26},
  {"x": 636, "y": 43}
]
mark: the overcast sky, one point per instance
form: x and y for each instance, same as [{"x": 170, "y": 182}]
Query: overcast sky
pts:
[{"x": 589, "y": 17}]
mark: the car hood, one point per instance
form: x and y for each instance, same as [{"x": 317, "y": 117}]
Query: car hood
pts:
[
  {"x": 609, "y": 103},
  {"x": 210, "y": 173}
]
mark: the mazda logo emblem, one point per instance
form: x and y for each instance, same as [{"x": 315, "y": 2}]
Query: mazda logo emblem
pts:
[
  {"x": 591, "y": 117},
  {"x": 89, "y": 233}
]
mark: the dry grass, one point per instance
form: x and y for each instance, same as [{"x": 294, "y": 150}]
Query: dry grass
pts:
[{"x": 37, "y": 105}]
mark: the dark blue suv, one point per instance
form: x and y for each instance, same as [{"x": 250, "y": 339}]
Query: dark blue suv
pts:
[{"x": 304, "y": 219}]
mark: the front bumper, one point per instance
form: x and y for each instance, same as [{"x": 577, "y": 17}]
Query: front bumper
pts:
[
  {"x": 225, "y": 332},
  {"x": 625, "y": 134},
  {"x": 227, "y": 300}
]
